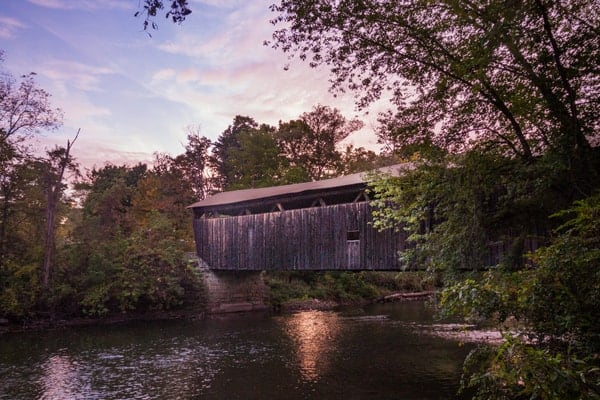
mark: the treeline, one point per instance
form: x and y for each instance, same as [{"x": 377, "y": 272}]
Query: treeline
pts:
[
  {"x": 249, "y": 154},
  {"x": 117, "y": 238},
  {"x": 120, "y": 242}
]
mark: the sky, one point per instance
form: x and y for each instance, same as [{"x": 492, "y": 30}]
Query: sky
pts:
[{"x": 133, "y": 94}]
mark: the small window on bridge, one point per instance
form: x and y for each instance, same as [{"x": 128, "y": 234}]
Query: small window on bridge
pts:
[{"x": 353, "y": 235}]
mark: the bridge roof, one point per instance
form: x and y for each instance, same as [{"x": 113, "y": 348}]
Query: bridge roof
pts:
[{"x": 239, "y": 197}]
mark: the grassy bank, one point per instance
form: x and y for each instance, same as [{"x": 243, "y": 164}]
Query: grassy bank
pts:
[{"x": 343, "y": 286}]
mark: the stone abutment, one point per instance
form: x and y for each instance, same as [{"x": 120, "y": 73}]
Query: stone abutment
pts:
[{"x": 234, "y": 291}]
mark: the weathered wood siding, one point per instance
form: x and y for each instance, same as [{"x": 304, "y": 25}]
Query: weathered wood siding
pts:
[{"x": 304, "y": 239}]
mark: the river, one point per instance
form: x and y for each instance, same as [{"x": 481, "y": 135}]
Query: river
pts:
[{"x": 376, "y": 352}]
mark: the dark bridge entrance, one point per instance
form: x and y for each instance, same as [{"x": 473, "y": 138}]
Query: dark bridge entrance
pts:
[{"x": 323, "y": 225}]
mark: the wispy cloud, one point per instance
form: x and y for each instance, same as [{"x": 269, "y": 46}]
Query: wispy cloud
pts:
[
  {"x": 89, "y": 153},
  {"x": 88, "y": 5},
  {"x": 232, "y": 72},
  {"x": 220, "y": 3},
  {"x": 9, "y": 26},
  {"x": 80, "y": 76},
  {"x": 237, "y": 41}
]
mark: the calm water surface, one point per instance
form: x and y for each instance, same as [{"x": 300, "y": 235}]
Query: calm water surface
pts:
[{"x": 379, "y": 352}]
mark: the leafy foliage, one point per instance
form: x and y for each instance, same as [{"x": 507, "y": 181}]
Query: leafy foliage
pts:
[
  {"x": 456, "y": 215},
  {"x": 139, "y": 262},
  {"x": 249, "y": 155},
  {"x": 517, "y": 370},
  {"x": 310, "y": 142},
  {"x": 521, "y": 77},
  {"x": 555, "y": 303},
  {"x": 194, "y": 164}
]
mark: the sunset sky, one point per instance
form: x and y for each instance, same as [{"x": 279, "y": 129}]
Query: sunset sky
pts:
[{"x": 133, "y": 95}]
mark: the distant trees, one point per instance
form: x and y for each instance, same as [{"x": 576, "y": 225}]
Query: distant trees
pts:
[
  {"x": 251, "y": 155},
  {"x": 310, "y": 142}
]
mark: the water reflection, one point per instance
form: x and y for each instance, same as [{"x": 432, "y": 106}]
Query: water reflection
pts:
[
  {"x": 60, "y": 379},
  {"x": 314, "y": 334},
  {"x": 318, "y": 355}
]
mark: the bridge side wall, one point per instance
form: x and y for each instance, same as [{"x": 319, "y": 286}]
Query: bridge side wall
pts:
[{"x": 337, "y": 237}]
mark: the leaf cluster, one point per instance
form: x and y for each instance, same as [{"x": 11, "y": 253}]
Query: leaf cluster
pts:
[
  {"x": 177, "y": 11},
  {"x": 554, "y": 305},
  {"x": 249, "y": 155},
  {"x": 516, "y": 76}
]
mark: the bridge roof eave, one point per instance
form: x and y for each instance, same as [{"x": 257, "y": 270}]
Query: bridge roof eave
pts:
[
  {"x": 288, "y": 201},
  {"x": 238, "y": 199}
]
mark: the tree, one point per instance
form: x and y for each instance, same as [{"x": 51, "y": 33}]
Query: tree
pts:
[
  {"x": 310, "y": 142},
  {"x": 521, "y": 76},
  {"x": 108, "y": 194},
  {"x": 59, "y": 161},
  {"x": 194, "y": 163},
  {"x": 226, "y": 142},
  {"x": 164, "y": 190},
  {"x": 256, "y": 162},
  {"x": 357, "y": 159},
  {"x": 24, "y": 111}
]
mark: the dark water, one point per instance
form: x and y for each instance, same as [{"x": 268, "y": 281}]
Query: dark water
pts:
[{"x": 374, "y": 353}]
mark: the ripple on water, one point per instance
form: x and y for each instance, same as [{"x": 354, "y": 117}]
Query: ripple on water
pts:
[{"x": 317, "y": 354}]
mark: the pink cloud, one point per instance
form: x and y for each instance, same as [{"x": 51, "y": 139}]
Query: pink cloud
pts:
[
  {"x": 9, "y": 27},
  {"x": 80, "y": 76},
  {"x": 88, "y": 5}
]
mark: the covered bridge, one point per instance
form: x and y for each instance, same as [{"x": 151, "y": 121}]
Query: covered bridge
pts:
[{"x": 323, "y": 225}]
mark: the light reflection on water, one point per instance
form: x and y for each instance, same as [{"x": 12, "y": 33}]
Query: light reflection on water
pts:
[
  {"x": 314, "y": 334},
  {"x": 307, "y": 355},
  {"x": 61, "y": 379}
]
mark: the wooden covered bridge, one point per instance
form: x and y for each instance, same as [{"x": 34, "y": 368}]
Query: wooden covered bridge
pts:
[{"x": 324, "y": 225}]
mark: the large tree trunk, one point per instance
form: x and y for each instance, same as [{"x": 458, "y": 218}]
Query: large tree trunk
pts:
[
  {"x": 52, "y": 203},
  {"x": 54, "y": 188}
]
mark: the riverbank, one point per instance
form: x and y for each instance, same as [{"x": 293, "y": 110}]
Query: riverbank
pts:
[
  {"x": 289, "y": 291},
  {"x": 291, "y": 306},
  {"x": 49, "y": 323},
  {"x": 317, "y": 304},
  {"x": 294, "y": 290}
]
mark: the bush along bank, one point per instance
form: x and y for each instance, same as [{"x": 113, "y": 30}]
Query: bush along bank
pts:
[{"x": 291, "y": 290}]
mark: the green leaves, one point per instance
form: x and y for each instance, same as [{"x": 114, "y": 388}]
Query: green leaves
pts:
[
  {"x": 476, "y": 217},
  {"x": 517, "y": 369},
  {"x": 504, "y": 75},
  {"x": 555, "y": 304}
]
